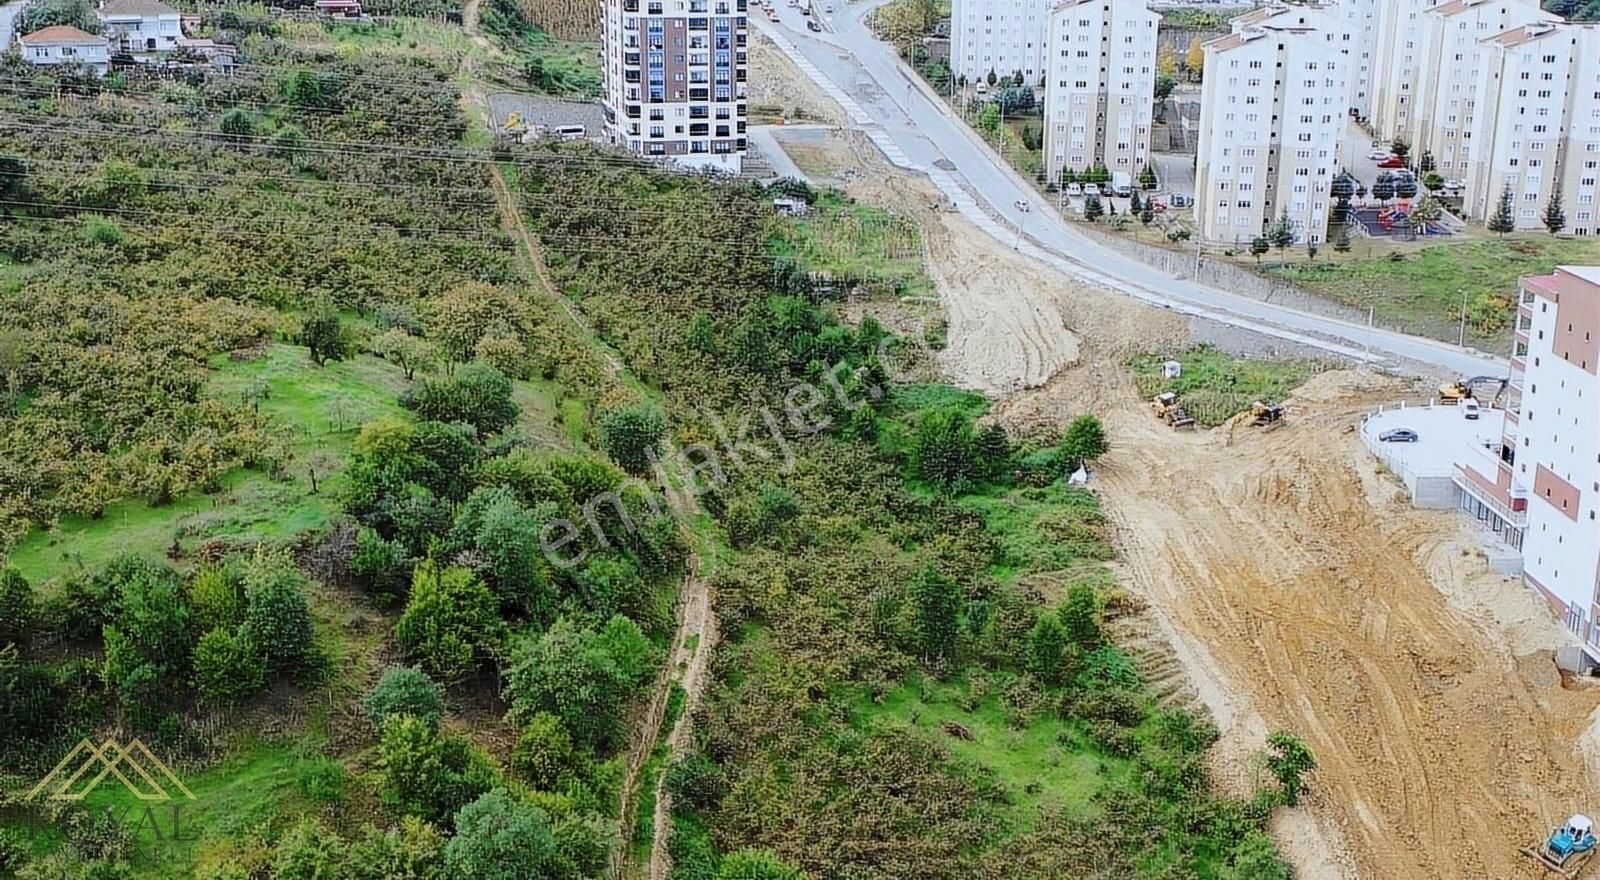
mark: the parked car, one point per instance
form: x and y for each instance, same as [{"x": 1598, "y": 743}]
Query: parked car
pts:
[
  {"x": 1091, "y": 189},
  {"x": 1392, "y": 162},
  {"x": 1074, "y": 189},
  {"x": 1469, "y": 409},
  {"x": 811, "y": 25},
  {"x": 1458, "y": 183},
  {"x": 1179, "y": 200},
  {"x": 1379, "y": 155},
  {"x": 1022, "y": 205},
  {"x": 1398, "y": 435}
]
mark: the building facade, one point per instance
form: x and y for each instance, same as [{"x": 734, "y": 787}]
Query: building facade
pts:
[
  {"x": 1540, "y": 489},
  {"x": 1451, "y": 57},
  {"x": 1395, "y": 65},
  {"x": 1099, "y": 87},
  {"x": 1537, "y": 131},
  {"x": 675, "y": 73},
  {"x": 1272, "y": 121},
  {"x": 64, "y": 44},
  {"x": 1006, "y": 37},
  {"x": 140, "y": 27}
]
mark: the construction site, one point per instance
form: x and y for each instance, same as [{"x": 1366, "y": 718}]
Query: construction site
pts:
[{"x": 1290, "y": 582}]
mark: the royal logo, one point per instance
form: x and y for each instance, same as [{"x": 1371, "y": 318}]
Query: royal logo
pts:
[{"x": 133, "y": 764}]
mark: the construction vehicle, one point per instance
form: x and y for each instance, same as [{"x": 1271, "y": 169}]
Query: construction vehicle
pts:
[
  {"x": 1567, "y": 849},
  {"x": 514, "y": 126},
  {"x": 1464, "y": 389},
  {"x": 1266, "y": 416},
  {"x": 1166, "y": 407}
]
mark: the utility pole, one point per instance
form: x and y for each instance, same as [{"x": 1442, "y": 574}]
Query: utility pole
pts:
[{"x": 1462, "y": 341}]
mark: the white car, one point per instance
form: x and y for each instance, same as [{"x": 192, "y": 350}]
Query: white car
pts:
[
  {"x": 1074, "y": 189},
  {"x": 1091, "y": 189},
  {"x": 1378, "y": 155},
  {"x": 1469, "y": 408},
  {"x": 1022, "y": 205}
]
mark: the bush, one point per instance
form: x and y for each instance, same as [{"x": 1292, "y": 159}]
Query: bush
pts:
[
  {"x": 277, "y": 619},
  {"x": 320, "y": 779},
  {"x": 942, "y": 452},
  {"x": 217, "y": 596},
  {"x": 382, "y": 566},
  {"x": 499, "y": 838},
  {"x": 227, "y": 667},
  {"x": 429, "y": 774},
  {"x": 545, "y": 756},
  {"x": 477, "y": 394},
  {"x": 404, "y": 690},
  {"x": 697, "y": 781},
  {"x": 450, "y": 623},
  {"x": 413, "y": 850},
  {"x": 309, "y": 852},
  {"x": 17, "y": 611},
  {"x": 632, "y": 436},
  {"x": 581, "y": 676},
  {"x": 755, "y": 864}
]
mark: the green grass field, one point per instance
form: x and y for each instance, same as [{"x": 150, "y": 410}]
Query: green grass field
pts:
[
  {"x": 850, "y": 239},
  {"x": 1421, "y": 293},
  {"x": 1215, "y": 386}
]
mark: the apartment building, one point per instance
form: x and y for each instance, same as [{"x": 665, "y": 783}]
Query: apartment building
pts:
[
  {"x": 675, "y": 79},
  {"x": 1272, "y": 121},
  {"x": 1395, "y": 65},
  {"x": 1538, "y": 129},
  {"x": 1330, "y": 20},
  {"x": 1003, "y": 36},
  {"x": 1540, "y": 489},
  {"x": 1451, "y": 57},
  {"x": 1100, "y": 81},
  {"x": 1360, "y": 26}
]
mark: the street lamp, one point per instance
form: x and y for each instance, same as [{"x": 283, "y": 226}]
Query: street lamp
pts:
[{"x": 1462, "y": 339}]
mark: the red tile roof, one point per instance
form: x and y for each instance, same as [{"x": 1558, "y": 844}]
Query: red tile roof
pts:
[{"x": 61, "y": 34}]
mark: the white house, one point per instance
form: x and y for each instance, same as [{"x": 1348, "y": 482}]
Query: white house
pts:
[
  {"x": 64, "y": 44},
  {"x": 1004, "y": 36},
  {"x": 1101, "y": 76},
  {"x": 141, "y": 27}
]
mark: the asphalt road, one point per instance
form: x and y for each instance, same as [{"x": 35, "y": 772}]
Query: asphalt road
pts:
[{"x": 914, "y": 128}]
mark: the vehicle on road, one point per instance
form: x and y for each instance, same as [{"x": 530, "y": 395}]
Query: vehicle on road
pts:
[
  {"x": 1379, "y": 155},
  {"x": 772, "y": 13},
  {"x": 811, "y": 25},
  {"x": 1398, "y": 435},
  {"x": 805, "y": 10},
  {"x": 1022, "y": 205},
  {"x": 1179, "y": 200},
  {"x": 1392, "y": 162}
]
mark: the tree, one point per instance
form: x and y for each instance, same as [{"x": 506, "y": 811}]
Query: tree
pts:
[
  {"x": 1281, "y": 235},
  {"x": 1165, "y": 83},
  {"x": 309, "y": 852},
  {"x": 1341, "y": 238},
  {"x": 1258, "y": 247},
  {"x": 1503, "y": 220},
  {"x": 1092, "y": 209},
  {"x": 1425, "y": 165},
  {"x": 1195, "y": 60},
  {"x": 324, "y": 334},
  {"x": 1290, "y": 760},
  {"x": 399, "y": 347},
  {"x": 460, "y": 318},
  {"x": 450, "y": 623},
  {"x": 1383, "y": 188},
  {"x": 404, "y": 690},
  {"x": 501, "y": 838},
  {"x": 1135, "y": 204},
  {"x": 545, "y": 756},
  {"x": 942, "y": 451},
  {"x": 1147, "y": 177},
  {"x": 992, "y": 452},
  {"x": 632, "y": 436},
  {"x": 1555, "y": 216},
  {"x": 1255, "y": 857},
  {"x": 1405, "y": 187},
  {"x": 477, "y": 394},
  {"x": 581, "y": 676},
  {"x": 411, "y": 850},
  {"x": 1047, "y": 650},
  {"x": 237, "y": 124},
  {"x": 1400, "y": 148},
  {"x": 17, "y": 611},
  {"x": 1425, "y": 212},
  {"x": 227, "y": 667},
  {"x": 992, "y": 79},
  {"x": 756, "y": 864},
  {"x": 1083, "y": 442},
  {"x": 989, "y": 119},
  {"x": 1433, "y": 180},
  {"x": 277, "y": 620},
  {"x": 430, "y": 774},
  {"x": 1080, "y": 617},
  {"x": 41, "y": 14},
  {"x": 937, "y": 602}
]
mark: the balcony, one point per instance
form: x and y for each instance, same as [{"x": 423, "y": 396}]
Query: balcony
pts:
[
  {"x": 699, "y": 129},
  {"x": 632, "y": 111},
  {"x": 699, "y": 24}
]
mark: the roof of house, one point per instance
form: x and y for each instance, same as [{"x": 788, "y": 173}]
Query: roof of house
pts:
[
  {"x": 118, "y": 8},
  {"x": 59, "y": 35},
  {"x": 1523, "y": 34}
]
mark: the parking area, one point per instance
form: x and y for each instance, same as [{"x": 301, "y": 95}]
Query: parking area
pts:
[
  {"x": 1445, "y": 437},
  {"x": 540, "y": 114}
]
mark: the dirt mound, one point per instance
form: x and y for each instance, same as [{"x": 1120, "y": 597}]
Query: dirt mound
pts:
[{"x": 777, "y": 85}]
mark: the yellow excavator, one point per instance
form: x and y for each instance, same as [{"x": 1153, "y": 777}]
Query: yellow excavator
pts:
[
  {"x": 1463, "y": 389},
  {"x": 1266, "y": 416},
  {"x": 1166, "y": 407}
]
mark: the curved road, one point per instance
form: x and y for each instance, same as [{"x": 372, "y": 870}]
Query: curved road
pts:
[{"x": 915, "y": 129}]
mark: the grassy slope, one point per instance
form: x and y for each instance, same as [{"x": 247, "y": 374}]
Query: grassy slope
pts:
[
  {"x": 848, "y": 238},
  {"x": 1422, "y": 292},
  {"x": 1215, "y": 386}
]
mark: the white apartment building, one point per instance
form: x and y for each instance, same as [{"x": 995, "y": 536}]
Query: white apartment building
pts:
[
  {"x": 1329, "y": 19},
  {"x": 1005, "y": 36},
  {"x": 1099, "y": 86},
  {"x": 1540, "y": 491},
  {"x": 1449, "y": 63},
  {"x": 1272, "y": 123},
  {"x": 1395, "y": 65},
  {"x": 1538, "y": 128},
  {"x": 674, "y": 75},
  {"x": 1361, "y": 27}
]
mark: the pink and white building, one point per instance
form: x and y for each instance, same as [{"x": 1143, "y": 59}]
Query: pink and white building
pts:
[{"x": 1541, "y": 491}]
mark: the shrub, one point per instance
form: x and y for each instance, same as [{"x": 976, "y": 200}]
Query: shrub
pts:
[
  {"x": 499, "y": 838},
  {"x": 1290, "y": 760},
  {"x": 309, "y": 852},
  {"x": 429, "y": 774},
  {"x": 412, "y": 850},
  {"x": 632, "y": 436},
  {"x": 451, "y": 622},
  {"x": 544, "y": 755},
  {"x": 227, "y": 667},
  {"x": 17, "y": 610},
  {"x": 755, "y": 864},
  {"x": 697, "y": 781},
  {"x": 477, "y": 394},
  {"x": 321, "y": 779},
  {"x": 581, "y": 676},
  {"x": 277, "y": 619},
  {"x": 217, "y": 596},
  {"x": 404, "y": 690},
  {"x": 382, "y": 566}
]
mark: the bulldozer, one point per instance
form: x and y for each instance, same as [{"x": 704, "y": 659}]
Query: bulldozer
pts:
[
  {"x": 1266, "y": 416},
  {"x": 1166, "y": 407},
  {"x": 1463, "y": 389},
  {"x": 1568, "y": 848}
]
